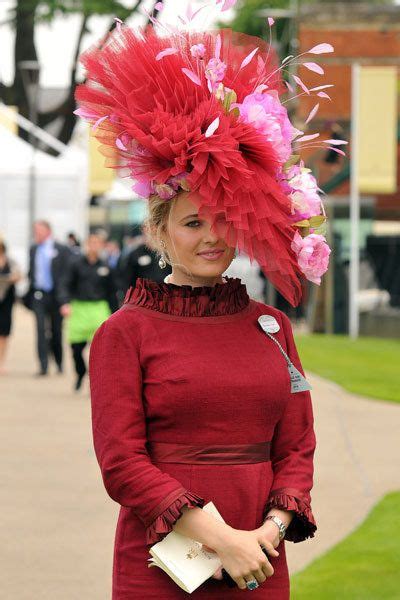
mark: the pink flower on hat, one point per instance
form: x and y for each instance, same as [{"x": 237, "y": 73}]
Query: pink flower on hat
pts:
[
  {"x": 215, "y": 71},
  {"x": 143, "y": 187},
  {"x": 312, "y": 254},
  {"x": 164, "y": 191},
  {"x": 198, "y": 50},
  {"x": 265, "y": 112},
  {"x": 303, "y": 192}
]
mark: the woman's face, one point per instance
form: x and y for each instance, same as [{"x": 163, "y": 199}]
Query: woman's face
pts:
[{"x": 190, "y": 243}]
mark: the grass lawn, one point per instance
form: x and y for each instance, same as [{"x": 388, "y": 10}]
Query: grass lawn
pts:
[
  {"x": 366, "y": 366},
  {"x": 364, "y": 566}
]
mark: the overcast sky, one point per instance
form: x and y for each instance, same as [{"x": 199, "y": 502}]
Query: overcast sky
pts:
[{"x": 56, "y": 42}]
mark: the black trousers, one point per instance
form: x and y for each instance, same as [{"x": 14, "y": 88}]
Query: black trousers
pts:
[
  {"x": 77, "y": 353},
  {"x": 48, "y": 328}
]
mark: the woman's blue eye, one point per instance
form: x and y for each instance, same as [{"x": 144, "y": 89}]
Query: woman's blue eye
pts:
[{"x": 192, "y": 223}]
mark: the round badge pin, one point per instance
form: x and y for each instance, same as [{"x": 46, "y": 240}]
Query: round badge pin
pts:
[{"x": 269, "y": 324}]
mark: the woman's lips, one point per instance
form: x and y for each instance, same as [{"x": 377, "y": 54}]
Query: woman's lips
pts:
[{"x": 212, "y": 255}]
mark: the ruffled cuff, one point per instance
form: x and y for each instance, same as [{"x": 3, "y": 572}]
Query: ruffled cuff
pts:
[
  {"x": 303, "y": 524},
  {"x": 164, "y": 522}
]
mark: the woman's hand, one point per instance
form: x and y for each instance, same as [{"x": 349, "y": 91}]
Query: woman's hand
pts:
[
  {"x": 65, "y": 310},
  {"x": 271, "y": 531},
  {"x": 242, "y": 556}
]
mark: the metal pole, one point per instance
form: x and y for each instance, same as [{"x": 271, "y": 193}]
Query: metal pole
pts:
[
  {"x": 293, "y": 26},
  {"x": 32, "y": 170},
  {"x": 354, "y": 271},
  {"x": 329, "y": 294},
  {"x": 30, "y": 79}
]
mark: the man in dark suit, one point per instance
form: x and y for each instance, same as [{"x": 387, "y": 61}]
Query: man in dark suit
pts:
[
  {"x": 48, "y": 261},
  {"x": 139, "y": 261}
]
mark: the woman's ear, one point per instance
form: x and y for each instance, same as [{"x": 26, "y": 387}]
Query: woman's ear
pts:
[{"x": 163, "y": 234}]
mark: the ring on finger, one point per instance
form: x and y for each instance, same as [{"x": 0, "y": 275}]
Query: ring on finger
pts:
[{"x": 252, "y": 585}]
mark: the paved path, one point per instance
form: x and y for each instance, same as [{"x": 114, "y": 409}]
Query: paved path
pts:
[{"x": 57, "y": 523}]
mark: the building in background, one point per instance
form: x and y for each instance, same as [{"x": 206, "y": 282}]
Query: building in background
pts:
[{"x": 369, "y": 34}]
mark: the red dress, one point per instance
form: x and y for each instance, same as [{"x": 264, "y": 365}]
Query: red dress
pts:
[{"x": 178, "y": 366}]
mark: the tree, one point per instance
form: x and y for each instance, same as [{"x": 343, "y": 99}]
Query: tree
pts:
[
  {"x": 24, "y": 17},
  {"x": 246, "y": 19}
]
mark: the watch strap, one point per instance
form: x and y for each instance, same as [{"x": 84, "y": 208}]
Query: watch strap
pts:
[{"x": 279, "y": 523}]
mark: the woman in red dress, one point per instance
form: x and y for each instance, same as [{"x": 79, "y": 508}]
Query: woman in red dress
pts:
[{"x": 192, "y": 400}]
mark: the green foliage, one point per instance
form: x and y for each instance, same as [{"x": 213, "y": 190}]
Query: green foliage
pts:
[
  {"x": 364, "y": 566},
  {"x": 247, "y": 21},
  {"x": 48, "y": 9},
  {"x": 366, "y": 366}
]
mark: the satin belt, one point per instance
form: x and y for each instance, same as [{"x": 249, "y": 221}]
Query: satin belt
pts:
[{"x": 224, "y": 454}]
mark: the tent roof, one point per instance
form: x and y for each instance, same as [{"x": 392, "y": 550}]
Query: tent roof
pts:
[{"x": 16, "y": 157}]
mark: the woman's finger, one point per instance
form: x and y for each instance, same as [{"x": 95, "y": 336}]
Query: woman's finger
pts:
[
  {"x": 269, "y": 548},
  {"x": 268, "y": 569},
  {"x": 259, "y": 575},
  {"x": 241, "y": 582},
  {"x": 218, "y": 573}
]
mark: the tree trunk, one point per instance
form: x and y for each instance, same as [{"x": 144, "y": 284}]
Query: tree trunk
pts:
[
  {"x": 25, "y": 13},
  {"x": 24, "y": 50}
]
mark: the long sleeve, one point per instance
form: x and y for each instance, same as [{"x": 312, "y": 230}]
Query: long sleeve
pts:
[
  {"x": 119, "y": 432},
  {"x": 292, "y": 453},
  {"x": 111, "y": 289},
  {"x": 64, "y": 275},
  {"x": 67, "y": 282}
]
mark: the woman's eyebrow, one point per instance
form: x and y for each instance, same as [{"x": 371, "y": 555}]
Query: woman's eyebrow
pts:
[{"x": 189, "y": 217}]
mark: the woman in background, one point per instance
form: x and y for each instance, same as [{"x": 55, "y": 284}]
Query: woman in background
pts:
[
  {"x": 88, "y": 286},
  {"x": 9, "y": 276}
]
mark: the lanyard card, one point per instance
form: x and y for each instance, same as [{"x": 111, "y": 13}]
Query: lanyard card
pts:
[{"x": 298, "y": 383}]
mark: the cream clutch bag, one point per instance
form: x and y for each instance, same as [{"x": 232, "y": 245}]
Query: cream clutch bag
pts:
[{"x": 184, "y": 559}]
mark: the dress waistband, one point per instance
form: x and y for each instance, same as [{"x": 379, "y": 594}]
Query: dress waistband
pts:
[{"x": 211, "y": 455}]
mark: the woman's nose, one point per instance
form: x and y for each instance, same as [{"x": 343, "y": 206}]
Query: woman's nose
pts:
[{"x": 210, "y": 236}]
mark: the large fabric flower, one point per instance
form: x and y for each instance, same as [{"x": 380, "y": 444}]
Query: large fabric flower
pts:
[
  {"x": 303, "y": 192},
  {"x": 313, "y": 255},
  {"x": 266, "y": 114}
]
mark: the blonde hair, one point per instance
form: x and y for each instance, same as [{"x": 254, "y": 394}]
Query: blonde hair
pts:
[
  {"x": 156, "y": 224},
  {"x": 157, "y": 218}
]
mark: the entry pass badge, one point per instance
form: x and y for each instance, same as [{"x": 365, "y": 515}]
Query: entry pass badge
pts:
[
  {"x": 144, "y": 260},
  {"x": 298, "y": 383},
  {"x": 269, "y": 324}
]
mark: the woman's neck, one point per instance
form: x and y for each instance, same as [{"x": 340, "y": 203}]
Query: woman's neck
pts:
[
  {"x": 92, "y": 258},
  {"x": 181, "y": 279}
]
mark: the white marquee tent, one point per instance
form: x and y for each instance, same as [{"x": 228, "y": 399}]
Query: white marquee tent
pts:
[{"x": 61, "y": 192}]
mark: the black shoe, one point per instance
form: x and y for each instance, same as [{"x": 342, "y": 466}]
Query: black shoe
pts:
[
  {"x": 41, "y": 373},
  {"x": 78, "y": 383}
]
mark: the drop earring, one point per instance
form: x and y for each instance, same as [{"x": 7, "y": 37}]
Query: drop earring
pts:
[{"x": 162, "y": 263}]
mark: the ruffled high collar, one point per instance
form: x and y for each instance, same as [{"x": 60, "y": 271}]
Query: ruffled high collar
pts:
[{"x": 187, "y": 301}]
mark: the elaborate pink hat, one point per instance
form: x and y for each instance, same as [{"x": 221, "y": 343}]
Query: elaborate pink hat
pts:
[{"x": 203, "y": 112}]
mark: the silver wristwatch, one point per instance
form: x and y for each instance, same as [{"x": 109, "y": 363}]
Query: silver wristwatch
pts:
[{"x": 279, "y": 523}]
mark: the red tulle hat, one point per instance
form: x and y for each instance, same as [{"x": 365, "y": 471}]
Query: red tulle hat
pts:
[{"x": 179, "y": 112}]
